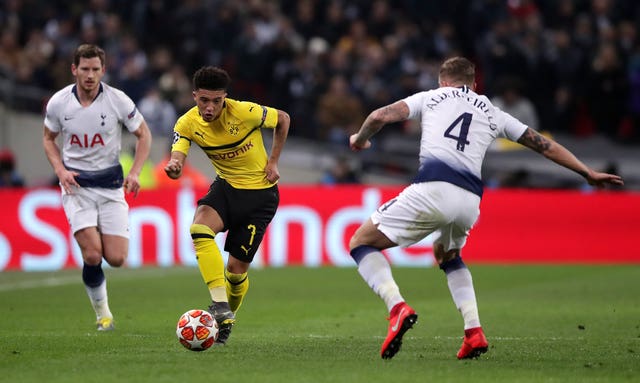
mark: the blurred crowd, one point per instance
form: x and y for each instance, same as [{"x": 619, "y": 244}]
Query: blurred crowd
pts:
[{"x": 570, "y": 66}]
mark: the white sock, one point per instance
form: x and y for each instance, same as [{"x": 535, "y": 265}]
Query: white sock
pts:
[
  {"x": 99, "y": 300},
  {"x": 376, "y": 271},
  {"x": 218, "y": 294},
  {"x": 461, "y": 288}
]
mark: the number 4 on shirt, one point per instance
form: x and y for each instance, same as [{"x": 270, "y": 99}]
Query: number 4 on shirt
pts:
[{"x": 461, "y": 139}]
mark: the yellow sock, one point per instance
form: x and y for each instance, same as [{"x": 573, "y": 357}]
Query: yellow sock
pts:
[
  {"x": 237, "y": 286},
  {"x": 209, "y": 259}
]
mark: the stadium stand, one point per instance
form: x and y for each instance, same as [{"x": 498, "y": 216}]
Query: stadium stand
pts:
[{"x": 578, "y": 62}]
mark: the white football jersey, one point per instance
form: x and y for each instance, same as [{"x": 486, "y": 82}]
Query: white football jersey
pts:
[
  {"x": 458, "y": 126},
  {"x": 91, "y": 136}
]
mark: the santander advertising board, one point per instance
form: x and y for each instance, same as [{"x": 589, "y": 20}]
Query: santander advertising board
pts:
[{"x": 314, "y": 223}]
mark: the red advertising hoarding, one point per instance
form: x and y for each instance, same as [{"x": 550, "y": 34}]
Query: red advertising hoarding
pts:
[{"x": 313, "y": 226}]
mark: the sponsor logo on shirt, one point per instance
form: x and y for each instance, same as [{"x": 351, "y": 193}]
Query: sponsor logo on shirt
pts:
[
  {"x": 84, "y": 141},
  {"x": 234, "y": 128},
  {"x": 133, "y": 113},
  {"x": 232, "y": 154}
]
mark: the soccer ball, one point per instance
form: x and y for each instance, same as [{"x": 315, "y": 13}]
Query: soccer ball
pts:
[{"x": 197, "y": 330}]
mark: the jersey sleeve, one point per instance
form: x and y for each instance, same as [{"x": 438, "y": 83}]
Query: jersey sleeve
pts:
[
  {"x": 52, "y": 115},
  {"x": 181, "y": 136},
  {"x": 414, "y": 102},
  {"x": 260, "y": 115},
  {"x": 127, "y": 111},
  {"x": 512, "y": 127}
]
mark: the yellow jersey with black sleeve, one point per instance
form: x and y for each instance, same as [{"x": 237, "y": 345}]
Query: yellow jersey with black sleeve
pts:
[{"x": 233, "y": 142}]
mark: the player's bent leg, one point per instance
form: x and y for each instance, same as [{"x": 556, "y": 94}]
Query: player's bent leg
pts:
[
  {"x": 96, "y": 286},
  {"x": 376, "y": 271},
  {"x": 210, "y": 262},
  {"x": 90, "y": 245},
  {"x": 237, "y": 281},
  {"x": 369, "y": 235},
  {"x": 460, "y": 284},
  {"x": 211, "y": 267},
  {"x": 237, "y": 287},
  {"x": 93, "y": 276},
  {"x": 115, "y": 252},
  {"x": 116, "y": 249}
]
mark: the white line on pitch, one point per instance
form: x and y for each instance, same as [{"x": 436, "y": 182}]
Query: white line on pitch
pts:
[{"x": 46, "y": 282}]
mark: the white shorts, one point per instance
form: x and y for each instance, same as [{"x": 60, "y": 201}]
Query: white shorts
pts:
[
  {"x": 103, "y": 208},
  {"x": 441, "y": 208}
]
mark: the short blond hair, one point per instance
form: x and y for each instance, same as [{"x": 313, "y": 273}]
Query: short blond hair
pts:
[{"x": 458, "y": 70}]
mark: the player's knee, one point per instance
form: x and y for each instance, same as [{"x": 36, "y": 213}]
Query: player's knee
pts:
[
  {"x": 91, "y": 256},
  {"x": 236, "y": 266},
  {"x": 116, "y": 261},
  {"x": 198, "y": 230},
  {"x": 116, "y": 258},
  {"x": 354, "y": 242},
  {"x": 443, "y": 256},
  {"x": 92, "y": 259}
]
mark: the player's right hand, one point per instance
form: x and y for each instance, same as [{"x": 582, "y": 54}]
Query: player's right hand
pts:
[
  {"x": 173, "y": 168},
  {"x": 68, "y": 180},
  {"x": 355, "y": 146}
]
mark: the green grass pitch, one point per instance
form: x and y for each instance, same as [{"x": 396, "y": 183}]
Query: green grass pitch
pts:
[{"x": 543, "y": 323}]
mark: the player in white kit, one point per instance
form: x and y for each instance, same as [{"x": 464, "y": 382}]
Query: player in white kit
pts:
[
  {"x": 458, "y": 125},
  {"x": 89, "y": 116}
]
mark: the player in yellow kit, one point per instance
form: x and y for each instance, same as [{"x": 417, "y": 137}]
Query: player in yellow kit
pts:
[{"x": 244, "y": 195}]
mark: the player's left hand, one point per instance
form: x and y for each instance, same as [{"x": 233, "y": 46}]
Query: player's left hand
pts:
[
  {"x": 132, "y": 185},
  {"x": 272, "y": 173},
  {"x": 599, "y": 179}
]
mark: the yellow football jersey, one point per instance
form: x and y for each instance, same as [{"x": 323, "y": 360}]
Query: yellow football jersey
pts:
[{"x": 233, "y": 142}]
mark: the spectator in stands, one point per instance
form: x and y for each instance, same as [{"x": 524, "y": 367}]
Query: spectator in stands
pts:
[
  {"x": 567, "y": 71},
  {"x": 511, "y": 100},
  {"x": 11, "y": 53},
  {"x": 384, "y": 48},
  {"x": 9, "y": 176},
  {"x": 338, "y": 111},
  {"x": 607, "y": 91},
  {"x": 341, "y": 172},
  {"x": 159, "y": 113},
  {"x": 634, "y": 96},
  {"x": 176, "y": 87}
]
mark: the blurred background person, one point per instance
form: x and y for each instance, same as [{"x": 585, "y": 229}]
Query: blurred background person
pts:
[
  {"x": 339, "y": 111},
  {"x": 9, "y": 176},
  {"x": 159, "y": 113},
  {"x": 341, "y": 172}
]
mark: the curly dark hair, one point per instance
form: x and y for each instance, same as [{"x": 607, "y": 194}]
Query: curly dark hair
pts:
[{"x": 211, "y": 78}]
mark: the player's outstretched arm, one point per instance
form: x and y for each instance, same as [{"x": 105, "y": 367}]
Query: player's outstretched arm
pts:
[
  {"x": 398, "y": 111},
  {"x": 173, "y": 168},
  {"x": 562, "y": 156}
]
